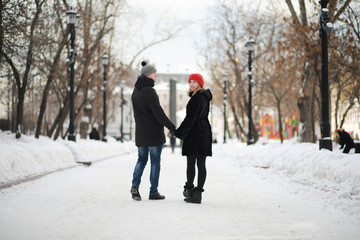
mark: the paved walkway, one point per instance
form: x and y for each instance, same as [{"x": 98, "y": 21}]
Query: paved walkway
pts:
[{"x": 94, "y": 203}]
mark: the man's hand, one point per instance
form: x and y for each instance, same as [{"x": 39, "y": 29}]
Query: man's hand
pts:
[{"x": 172, "y": 135}]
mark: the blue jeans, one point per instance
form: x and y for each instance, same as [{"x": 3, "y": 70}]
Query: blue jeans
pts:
[{"x": 143, "y": 154}]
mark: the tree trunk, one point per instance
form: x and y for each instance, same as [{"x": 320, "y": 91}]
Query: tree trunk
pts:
[
  {"x": 254, "y": 131},
  {"x": 62, "y": 117},
  {"x": 48, "y": 84},
  {"x": 337, "y": 102},
  {"x": 306, "y": 108},
  {"x": 55, "y": 123},
  {"x": 29, "y": 62},
  {"x": 280, "y": 122},
  {"x": 345, "y": 113},
  {"x": 238, "y": 124},
  {"x": 20, "y": 110}
]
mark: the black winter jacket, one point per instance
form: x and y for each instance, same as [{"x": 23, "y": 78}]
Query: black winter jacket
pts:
[
  {"x": 195, "y": 130},
  {"x": 345, "y": 139},
  {"x": 150, "y": 118}
]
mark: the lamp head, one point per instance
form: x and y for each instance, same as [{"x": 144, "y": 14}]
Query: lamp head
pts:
[
  {"x": 122, "y": 83},
  {"x": 225, "y": 77},
  {"x": 325, "y": 20},
  {"x": 71, "y": 15},
  {"x": 105, "y": 59},
  {"x": 250, "y": 45}
]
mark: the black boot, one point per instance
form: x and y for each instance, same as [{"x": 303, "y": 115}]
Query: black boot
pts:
[
  {"x": 196, "y": 196},
  {"x": 135, "y": 193},
  {"x": 156, "y": 196},
  {"x": 188, "y": 190}
]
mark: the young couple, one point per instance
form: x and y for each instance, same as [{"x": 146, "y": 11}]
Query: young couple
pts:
[{"x": 195, "y": 131}]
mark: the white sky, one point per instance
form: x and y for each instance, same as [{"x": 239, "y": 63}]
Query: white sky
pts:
[{"x": 177, "y": 55}]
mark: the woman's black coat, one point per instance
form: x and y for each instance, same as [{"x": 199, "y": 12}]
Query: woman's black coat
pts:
[
  {"x": 195, "y": 130},
  {"x": 150, "y": 118},
  {"x": 346, "y": 139}
]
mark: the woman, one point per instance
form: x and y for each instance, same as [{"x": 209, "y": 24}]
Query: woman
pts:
[
  {"x": 195, "y": 131},
  {"x": 344, "y": 139}
]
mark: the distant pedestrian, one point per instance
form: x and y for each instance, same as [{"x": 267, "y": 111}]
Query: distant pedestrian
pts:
[
  {"x": 344, "y": 139},
  {"x": 150, "y": 120},
  {"x": 195, "y": 131},
  {"x": 94, "y": 134}
]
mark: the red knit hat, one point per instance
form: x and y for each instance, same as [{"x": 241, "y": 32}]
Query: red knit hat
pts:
[{"x": 197, "y": 77}]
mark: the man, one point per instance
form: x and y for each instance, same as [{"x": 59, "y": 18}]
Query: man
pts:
[{"x": 150, "y": 120}]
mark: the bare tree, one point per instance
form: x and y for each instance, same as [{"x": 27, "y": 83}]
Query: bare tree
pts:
[
  {"x": 345, "y": 74},
  {"x": 63, "y": 38},
  {"x": 228, "y": 29},
  {"x": 305, "y": 32},
  {"x": 87, "y": 56},
  {"x": 279, "y": 76},
  {"x": 20, "y": 61}
]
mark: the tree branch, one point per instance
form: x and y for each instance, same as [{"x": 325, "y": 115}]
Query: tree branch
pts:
[{"x": 292, "y": 11}]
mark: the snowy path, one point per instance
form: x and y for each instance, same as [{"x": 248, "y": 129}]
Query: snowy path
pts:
[{"x": 94, "y": 203}]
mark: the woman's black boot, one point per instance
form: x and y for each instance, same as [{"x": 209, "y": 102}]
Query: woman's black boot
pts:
[
  {"x": 196, "y": 196},
  {"x": 188, "y": 190}
]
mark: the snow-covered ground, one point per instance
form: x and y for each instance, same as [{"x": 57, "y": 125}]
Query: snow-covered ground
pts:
[{"x": 270, "y": 191}]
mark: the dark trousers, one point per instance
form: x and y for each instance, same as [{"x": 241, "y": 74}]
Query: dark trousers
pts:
[
  {"x": 347, "y": 148},
  {"x": 190, "y": 171}
]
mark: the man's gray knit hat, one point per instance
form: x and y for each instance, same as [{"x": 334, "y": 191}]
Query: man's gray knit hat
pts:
[{"x": 147, "y": 69}]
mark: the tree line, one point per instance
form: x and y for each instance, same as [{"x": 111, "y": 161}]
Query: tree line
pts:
[
  {"x": 287, "y": 63},
  {"x": 34, "y": 76},
  {"x": 34, "y": 43}
]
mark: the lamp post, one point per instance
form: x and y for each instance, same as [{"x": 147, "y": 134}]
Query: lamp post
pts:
[
  {"x": 225, "y": 79},
  {"x": 250, "y": 47},
  {"x": 105, "y": 61},
  {"x": 122, "y": 85},
  {"x": 325, "y": 29},
  {"x": 70, "y": 61}
]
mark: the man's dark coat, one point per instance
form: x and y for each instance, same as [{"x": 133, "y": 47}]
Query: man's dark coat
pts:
[{"x": 150, "y": 118}]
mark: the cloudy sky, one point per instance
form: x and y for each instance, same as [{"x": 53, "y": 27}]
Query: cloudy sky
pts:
[{"x": 178, "y": 55}]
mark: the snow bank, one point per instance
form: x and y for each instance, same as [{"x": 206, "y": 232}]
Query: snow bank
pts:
[
  {"x": 336, "y": 176},
  {"x": 28, "y": 156}
]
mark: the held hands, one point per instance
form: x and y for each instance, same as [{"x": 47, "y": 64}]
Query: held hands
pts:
[{"x": 172, "y": 135}]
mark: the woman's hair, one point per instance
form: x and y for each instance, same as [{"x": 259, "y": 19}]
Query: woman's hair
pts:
[
  {"x": 198, "y": 89},
  {"x": 337, "y": 134}
]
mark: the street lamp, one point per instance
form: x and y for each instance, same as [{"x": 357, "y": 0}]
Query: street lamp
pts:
[
  {"x": 250, "y": 47},
  {"x": 70, "y": 61},
  {"x": 225, "y": 79},
  {"x": 122, "y": 85},
  {"x": 325, "y": 29},
  {"x": 105, "y": 61}
]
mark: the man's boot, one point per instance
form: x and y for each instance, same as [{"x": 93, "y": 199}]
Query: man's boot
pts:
[{"x": 135, "y": 193}]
